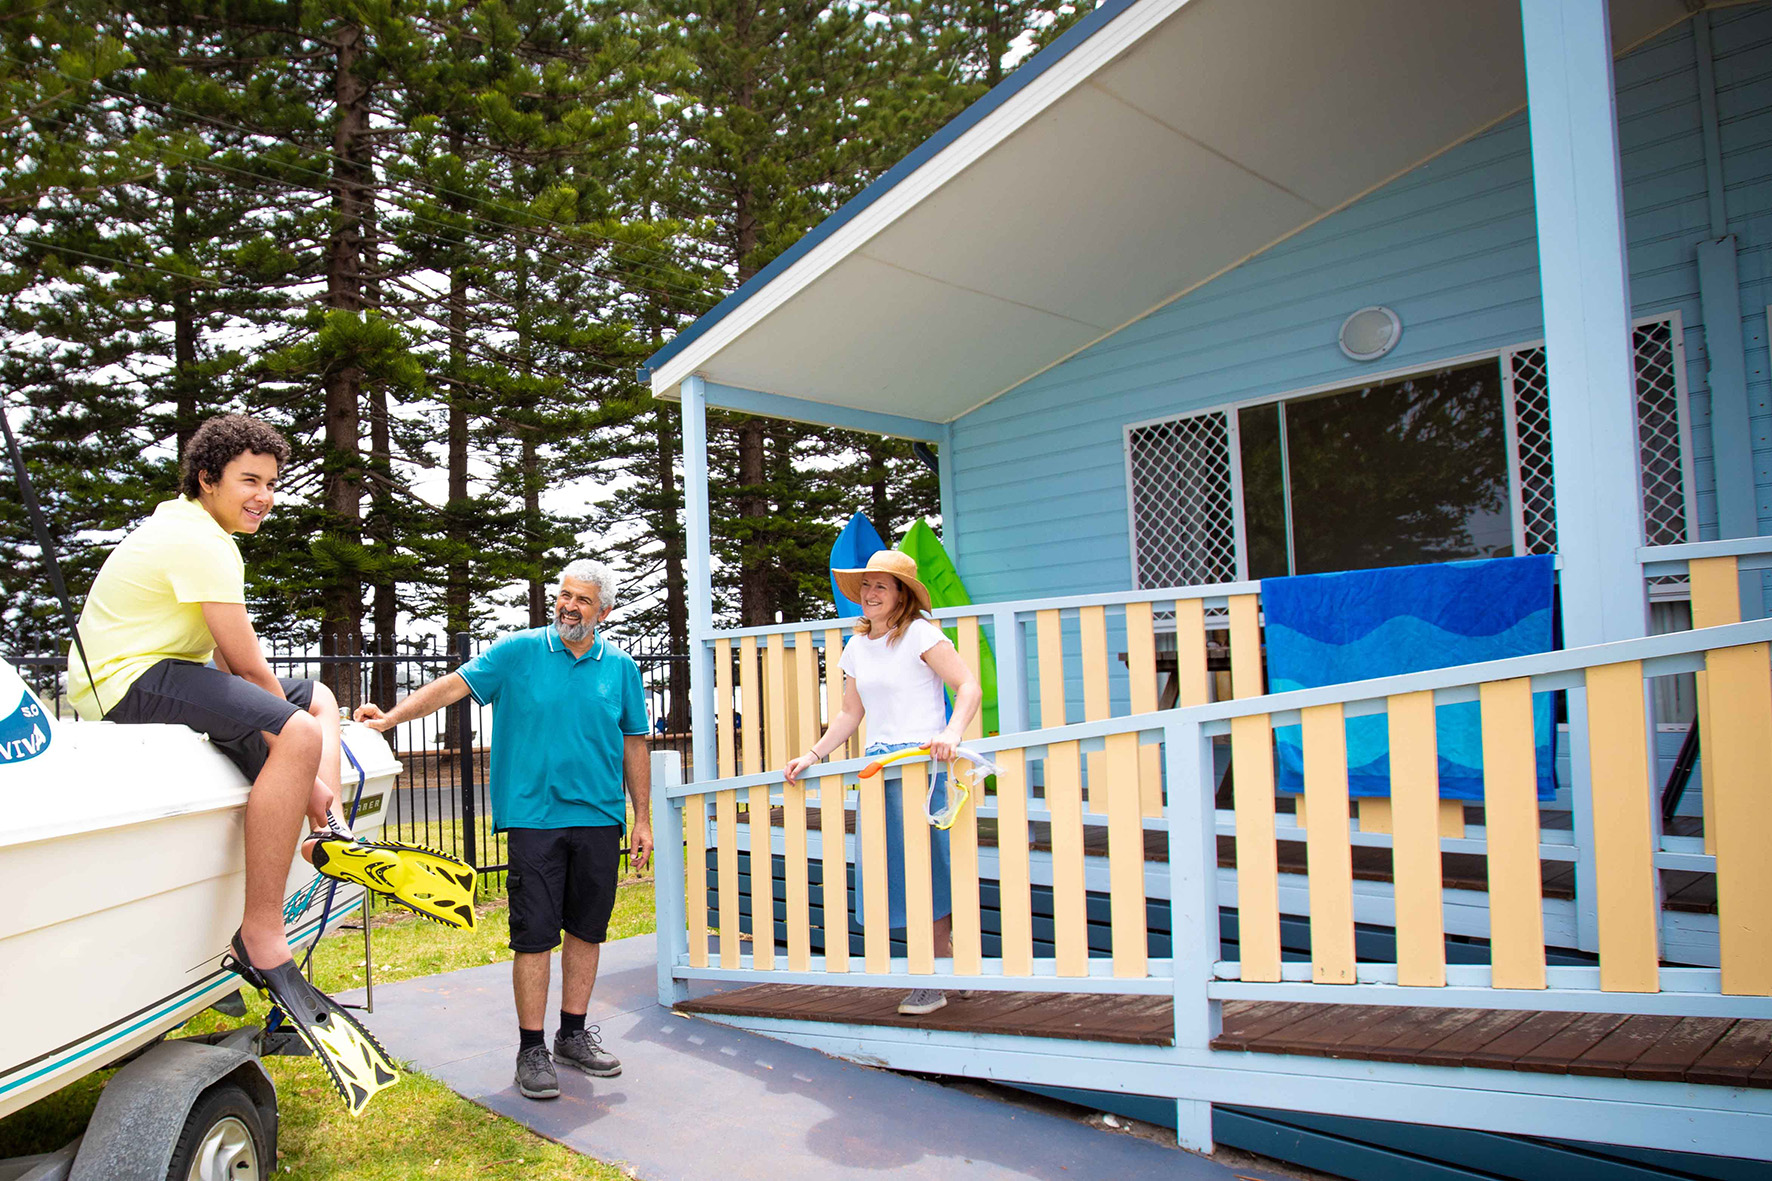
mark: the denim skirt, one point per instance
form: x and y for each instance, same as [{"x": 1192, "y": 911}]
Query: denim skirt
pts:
[{"x": 939, "y": 876}]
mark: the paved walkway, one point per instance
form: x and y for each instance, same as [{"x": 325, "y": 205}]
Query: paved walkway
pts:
[{"x": 698, "y": 1100}]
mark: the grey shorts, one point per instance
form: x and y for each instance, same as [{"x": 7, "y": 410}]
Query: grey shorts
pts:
[{"x": 235, "y": 713}]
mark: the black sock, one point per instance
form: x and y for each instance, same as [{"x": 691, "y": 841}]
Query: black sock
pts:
[
  {"x": 529, "y": 1037},
  {"x": 571, "y": 1022}
]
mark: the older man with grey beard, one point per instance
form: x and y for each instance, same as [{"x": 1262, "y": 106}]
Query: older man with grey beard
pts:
[{"x": 569, "y": 728}]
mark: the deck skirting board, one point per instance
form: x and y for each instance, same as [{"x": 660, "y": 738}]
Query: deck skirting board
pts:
[{"x": 1681, "y": 1117}]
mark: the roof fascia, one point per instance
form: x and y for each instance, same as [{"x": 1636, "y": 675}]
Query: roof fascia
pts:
[{"x": 1054, "y": 84}]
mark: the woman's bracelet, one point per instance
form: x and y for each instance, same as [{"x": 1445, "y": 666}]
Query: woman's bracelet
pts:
[{"x": 816, "y": 757}]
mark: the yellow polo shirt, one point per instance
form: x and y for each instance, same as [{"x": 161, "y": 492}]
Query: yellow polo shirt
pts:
[{"x": 146, "y": 605}]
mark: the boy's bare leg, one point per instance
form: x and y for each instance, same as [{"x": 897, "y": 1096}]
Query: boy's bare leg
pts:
[
  {"x": 274, "y": 811},
  {"x": 944, "y": 936},
  {"x": 326, "y": 792}
]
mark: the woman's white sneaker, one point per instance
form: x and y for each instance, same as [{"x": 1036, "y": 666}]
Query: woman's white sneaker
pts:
[{"x": 924, "y": 1000}]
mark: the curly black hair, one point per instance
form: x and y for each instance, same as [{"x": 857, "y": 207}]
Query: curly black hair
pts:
[{"x": 218, "y": 441}]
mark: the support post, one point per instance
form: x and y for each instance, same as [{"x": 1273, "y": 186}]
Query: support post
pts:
[
  {"x": 1012, "y": 673},
  {"x": 1719, "y": 301},
  {"x": 950, "y": 519},
  {"x": 698, "y": 548},
  {"x": 1585, "y": 281},
  {"x": 667, "y": 876},
  {"x": 464, "y": 755},
  {"x": 1193, "y": 903}
]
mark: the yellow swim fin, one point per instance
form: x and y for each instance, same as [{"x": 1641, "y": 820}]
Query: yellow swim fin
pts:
[
  {"x": 354, "y": 1060},
  {"x": 428, "y": 881}
]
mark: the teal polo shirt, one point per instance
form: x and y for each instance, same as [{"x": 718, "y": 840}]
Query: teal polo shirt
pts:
[{"x": 558, "y": 725}]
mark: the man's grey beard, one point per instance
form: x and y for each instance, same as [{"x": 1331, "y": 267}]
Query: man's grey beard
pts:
[{"x": 573, "y": 633}]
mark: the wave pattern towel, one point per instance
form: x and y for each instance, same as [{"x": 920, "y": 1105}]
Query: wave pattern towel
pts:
[{"x": 1328, "y": 629}]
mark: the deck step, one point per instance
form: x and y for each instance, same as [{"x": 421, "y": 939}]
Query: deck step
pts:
[{"x": 1710, "y": 1051}]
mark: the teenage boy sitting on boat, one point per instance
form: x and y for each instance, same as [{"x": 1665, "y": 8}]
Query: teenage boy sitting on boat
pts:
[{"x": 170, "y": 598}]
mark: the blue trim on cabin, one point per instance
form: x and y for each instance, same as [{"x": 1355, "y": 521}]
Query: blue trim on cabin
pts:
[
  {"x": 999, "y": 94},
  {"x": 731, "y": 397}
]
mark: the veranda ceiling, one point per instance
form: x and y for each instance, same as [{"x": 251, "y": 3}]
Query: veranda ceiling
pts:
[{"x": 1175, "y": 140}]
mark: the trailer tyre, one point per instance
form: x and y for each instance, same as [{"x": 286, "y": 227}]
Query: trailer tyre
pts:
[{"x": 223, "y": 1139}]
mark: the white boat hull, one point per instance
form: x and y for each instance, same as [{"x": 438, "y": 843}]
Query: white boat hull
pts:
[{"x": 122, "y": 862}]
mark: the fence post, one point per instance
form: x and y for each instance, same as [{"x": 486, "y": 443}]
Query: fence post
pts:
[
  {"x": 464, "y": 753},
  {"x": 1193, "y": 908},
  {"x": 667, "y": 875}
]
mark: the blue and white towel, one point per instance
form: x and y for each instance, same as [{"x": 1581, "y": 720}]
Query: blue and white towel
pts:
[{"x": 1328, "y": 629}]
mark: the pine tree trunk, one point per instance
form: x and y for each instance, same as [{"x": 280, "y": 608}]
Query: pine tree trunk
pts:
[
  {"x": 756, "y": 605},
  {"x": 342, "y": 602},
  {"x": 881, "y": 513},
  {"x": 184, "y": 325},
  {"x": 531, "y": 461}
]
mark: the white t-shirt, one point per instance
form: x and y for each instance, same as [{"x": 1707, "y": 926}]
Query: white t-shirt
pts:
[{"x": 902, "y": 695}]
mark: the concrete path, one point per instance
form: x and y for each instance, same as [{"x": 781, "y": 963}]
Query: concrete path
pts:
[{"x": 699, "y": 1101}]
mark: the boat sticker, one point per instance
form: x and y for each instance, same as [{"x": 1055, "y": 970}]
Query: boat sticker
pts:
[{"x": 24, "y": 731}]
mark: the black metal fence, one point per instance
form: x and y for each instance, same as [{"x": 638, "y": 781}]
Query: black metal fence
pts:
[{"x": 441, "y": 796}]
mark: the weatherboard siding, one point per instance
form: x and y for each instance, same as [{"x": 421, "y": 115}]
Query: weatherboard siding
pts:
[{"x": 1040, "y": 475}]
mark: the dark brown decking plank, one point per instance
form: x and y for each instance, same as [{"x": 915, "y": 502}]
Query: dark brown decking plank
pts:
[
  {"x": 1459, "y": 1032},
  {"x": 1674, "y": 1053},
  {"x": 1370, "y": 1041},
  {"x": 1142, "y": 1020},
  {"x": 1352, "y": 1021},
  {"x": 1503, "y": 1051},
  {"x": 1736, "y": 1057},
  {"x": 1613, "y": 1054},
  {"x": 1555, "y": 1053},
  {"x": 1257, "y": 1020},
  {"x": 1288, "y": 1038}
]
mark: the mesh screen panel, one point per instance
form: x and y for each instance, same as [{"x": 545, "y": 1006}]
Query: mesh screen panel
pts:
[{"x": 1183, "y": 511}]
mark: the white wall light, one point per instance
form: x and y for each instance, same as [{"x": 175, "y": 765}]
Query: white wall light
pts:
[{"x": 1370, "y": 333}]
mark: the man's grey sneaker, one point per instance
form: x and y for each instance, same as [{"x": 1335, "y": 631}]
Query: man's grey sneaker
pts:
[
  {"x": 924, "y": 1000},
  {"x": 535, "y": 1074},
  {"x": 584, "y": 1049}
]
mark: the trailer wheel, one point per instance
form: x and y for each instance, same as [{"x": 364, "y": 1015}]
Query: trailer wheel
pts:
[{"x": 223, "y": 1139}]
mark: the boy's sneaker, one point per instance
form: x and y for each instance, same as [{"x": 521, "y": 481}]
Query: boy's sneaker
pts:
[
  {"x": 584, "y": 1049},
  {"x": 924, "y": 1000},
  {"x": 535, "y": 1074}
]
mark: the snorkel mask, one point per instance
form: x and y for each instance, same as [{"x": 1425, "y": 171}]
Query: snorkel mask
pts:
[{"x": 958, "y": 786}]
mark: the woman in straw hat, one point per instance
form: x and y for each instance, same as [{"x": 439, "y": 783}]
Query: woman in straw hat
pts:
[{"x": 895, "y": 668}]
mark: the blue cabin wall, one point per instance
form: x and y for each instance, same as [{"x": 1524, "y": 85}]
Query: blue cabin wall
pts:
[{"x": 1040, "y": 495}]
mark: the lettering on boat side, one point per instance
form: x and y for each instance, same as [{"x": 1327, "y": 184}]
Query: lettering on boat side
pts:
[{"x": 23, "y": 732}]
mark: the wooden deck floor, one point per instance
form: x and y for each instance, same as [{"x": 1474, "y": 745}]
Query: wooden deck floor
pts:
[
  {"x": 1715, "y": 1051},
  {"x": 1718, "y": 1051},
  {"x": 1146, "y": 1021}
]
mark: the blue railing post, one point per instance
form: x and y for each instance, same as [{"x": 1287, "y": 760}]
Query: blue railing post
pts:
[
  {"x": 1012, "y": 673},
  {"x": 1193, "y": 908},
  {"x": 667, "y": 875}
]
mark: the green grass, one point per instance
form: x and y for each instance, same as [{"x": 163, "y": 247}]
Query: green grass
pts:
[{"x": 419, "y": 1128}]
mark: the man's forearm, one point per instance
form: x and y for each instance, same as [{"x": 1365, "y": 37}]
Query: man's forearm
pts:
[
  {"x": 637, "y": 770},
  {"x": 428, "y": 699}
]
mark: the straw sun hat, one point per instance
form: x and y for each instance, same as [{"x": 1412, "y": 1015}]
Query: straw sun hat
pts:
[{"x": 888, "y": 561}]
